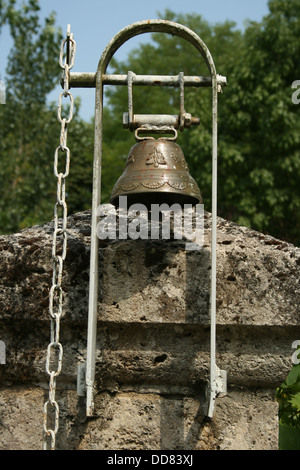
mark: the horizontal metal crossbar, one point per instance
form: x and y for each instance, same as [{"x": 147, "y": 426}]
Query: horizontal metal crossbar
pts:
[{"x": 88, "y": 80}]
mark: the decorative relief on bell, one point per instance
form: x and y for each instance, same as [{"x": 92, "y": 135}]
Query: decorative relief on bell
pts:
[
  {"x": 156, "y": 158},
  {"x": 180, "y": 160}
]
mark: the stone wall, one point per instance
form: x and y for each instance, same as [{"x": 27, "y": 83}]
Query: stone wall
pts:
[{"x": 153, "y": 339}]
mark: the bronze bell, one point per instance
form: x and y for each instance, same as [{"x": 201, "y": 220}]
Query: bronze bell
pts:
[{"x": 156, "y": 172}]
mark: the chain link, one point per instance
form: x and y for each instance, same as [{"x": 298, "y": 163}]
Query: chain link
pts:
[{"x": 59, "y": 249}]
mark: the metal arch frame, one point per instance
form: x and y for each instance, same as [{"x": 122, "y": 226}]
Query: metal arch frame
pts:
[{"x": 217, "y": 379}]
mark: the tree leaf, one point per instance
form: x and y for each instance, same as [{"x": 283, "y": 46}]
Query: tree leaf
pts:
[{"x": 295, "y": 401}]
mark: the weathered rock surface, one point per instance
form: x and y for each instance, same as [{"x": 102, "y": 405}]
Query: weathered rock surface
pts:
[{"x": 153, "y": 339}]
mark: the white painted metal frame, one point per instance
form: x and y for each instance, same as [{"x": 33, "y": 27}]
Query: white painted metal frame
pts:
[{"x": 217, "y": 377}]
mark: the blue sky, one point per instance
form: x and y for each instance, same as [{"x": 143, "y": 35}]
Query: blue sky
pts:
[{"x": 95, "y": 22}]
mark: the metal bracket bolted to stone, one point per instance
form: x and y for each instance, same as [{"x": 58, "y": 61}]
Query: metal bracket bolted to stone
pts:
[
  {"x": 218, "y": 387},
  {"x": 221, "y": 381}
]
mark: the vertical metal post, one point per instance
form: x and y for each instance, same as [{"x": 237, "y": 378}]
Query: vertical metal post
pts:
[
  {"x": 213, "y": 294},
  {"x": 94, "y": 255},
  {"x": 218, "y": 378}
]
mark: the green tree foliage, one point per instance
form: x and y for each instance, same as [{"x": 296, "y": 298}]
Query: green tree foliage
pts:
[
  {"x": 79, "y": 182},
  {"x": 30, "y": 131},
  {"x": 26, "y": 123},
  {"x": 258, "y": 175},
  {"x": 264, "y": 123},
  {"x": 288, "y": 398}
]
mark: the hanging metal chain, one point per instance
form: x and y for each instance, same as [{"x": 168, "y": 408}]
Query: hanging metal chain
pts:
[{"x": 59, "y": 248}]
